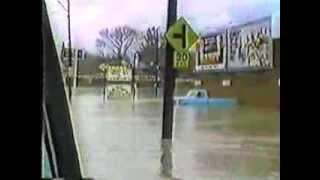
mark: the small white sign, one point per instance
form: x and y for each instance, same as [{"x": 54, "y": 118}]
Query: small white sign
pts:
[
  {"x": 197, "y": 83},
  {"x": 279, "y": 82},
  {"x": 209, "y": 67},
  {"x": 226, "y": 83}
]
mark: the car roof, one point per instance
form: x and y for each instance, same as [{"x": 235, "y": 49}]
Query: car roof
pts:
[{"x": 198, "y": 90}]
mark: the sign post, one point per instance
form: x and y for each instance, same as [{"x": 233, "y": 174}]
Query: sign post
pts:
[
  {"x": 169, "y": 78},
  {"x": 180, "y": 37},
  {"x": 103, "y": 68}
]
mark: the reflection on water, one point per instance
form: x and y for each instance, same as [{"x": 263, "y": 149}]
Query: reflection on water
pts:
[
  {"x": 166, "y": 158},
  {"x": 119, "y": 142}
]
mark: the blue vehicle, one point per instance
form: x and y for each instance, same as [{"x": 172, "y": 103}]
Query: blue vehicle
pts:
[{"x": 200, "y": 97}]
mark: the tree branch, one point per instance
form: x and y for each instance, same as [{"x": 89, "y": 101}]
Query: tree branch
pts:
[{"x": 119, "y": 40}]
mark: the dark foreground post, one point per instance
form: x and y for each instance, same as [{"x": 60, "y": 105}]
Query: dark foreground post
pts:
[
  {"x": 169, "y": 84},
  {"x": 59, "y": 131},
  {"x": 69, "y": 52},
  {"x": 169, "y": 79}
]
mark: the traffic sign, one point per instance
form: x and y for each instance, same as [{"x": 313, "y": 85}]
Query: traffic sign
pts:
[
  {"x": 181, "y": 36},
  {"x": 79, "y": 53},
  {"x": 181, "y": 60}
]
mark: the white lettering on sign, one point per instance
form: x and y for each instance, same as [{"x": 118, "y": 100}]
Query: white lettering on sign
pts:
[{"x": 208, "y": 67}]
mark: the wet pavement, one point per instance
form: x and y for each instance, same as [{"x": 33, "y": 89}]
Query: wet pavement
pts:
[{"x": 119, "y": 142}]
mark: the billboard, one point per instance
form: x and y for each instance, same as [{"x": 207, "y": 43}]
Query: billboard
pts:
[
  {"x": 250, "y": 45},
  {"x": 117, "y": 72},
  {"x": 211, "y": 52}
]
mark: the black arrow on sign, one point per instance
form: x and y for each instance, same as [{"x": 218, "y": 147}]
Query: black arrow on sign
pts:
[{"x": 182, "y": 36}]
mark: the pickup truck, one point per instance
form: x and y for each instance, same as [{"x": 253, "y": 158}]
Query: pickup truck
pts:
[{"x": 200, "y": 97}]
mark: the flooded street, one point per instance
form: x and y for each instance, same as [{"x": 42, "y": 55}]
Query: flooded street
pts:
[
  {"x": 118, "y": 141},
  {"x": 105, "y": 65}
]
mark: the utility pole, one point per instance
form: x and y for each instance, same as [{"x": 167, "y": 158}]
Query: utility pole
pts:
[
  {"x": 77, "y": 77},
  {"x": 75, "y": 73},
  {"x": 69, "y": 53},
  {"x": 157, "y": 62},
  {"x": 80, "y": 55},
  {"x": 169, "y": 84},
  {"x": 104, "y": 84},
  {"x": 169, "y": 79},
  {"x": 133, "y": 79}
]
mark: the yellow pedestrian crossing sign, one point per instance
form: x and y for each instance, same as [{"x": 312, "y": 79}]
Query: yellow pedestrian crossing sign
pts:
[{"x": 181, "y": 36}]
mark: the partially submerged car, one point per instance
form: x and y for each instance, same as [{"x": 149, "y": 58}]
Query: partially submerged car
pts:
[{"x": 200, "y": 97}]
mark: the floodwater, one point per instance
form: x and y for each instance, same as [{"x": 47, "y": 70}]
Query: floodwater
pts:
[{"x": 119, "y": 142}]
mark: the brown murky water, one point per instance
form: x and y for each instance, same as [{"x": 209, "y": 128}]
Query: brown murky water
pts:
[{"x": 118, "y": 142}]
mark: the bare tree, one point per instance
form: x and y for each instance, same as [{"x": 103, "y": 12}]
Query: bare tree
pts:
[
  {"x": 118, "y": 40},
  {"x": 152, "y": 47},
  {"x": 151, "y": 38},
  {"x": 101, "y": 45}
]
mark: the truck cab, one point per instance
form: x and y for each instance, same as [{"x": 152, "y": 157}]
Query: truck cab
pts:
[
  {"x": 197, "y": 93},
  {"x": 200, "y": 97}
]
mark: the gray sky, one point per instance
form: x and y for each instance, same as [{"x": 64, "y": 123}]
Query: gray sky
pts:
[{"x": 89, "y": 16}]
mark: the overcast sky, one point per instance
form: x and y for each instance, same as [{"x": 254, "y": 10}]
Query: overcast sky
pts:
[{"x": 89, "y": 16}]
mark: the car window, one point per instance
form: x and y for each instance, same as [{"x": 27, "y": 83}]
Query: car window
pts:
[
  {"x": 201, "y": 94},
  {"x": 192, "y": 93}
]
